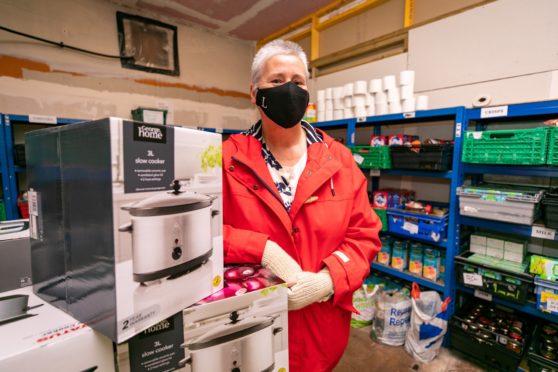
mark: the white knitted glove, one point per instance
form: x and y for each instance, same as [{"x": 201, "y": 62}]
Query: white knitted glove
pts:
[
  {"x": 310, "y": 288},
  {"x": 279, "y": 262}
]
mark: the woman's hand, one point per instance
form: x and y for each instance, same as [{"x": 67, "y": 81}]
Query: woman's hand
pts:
[
  {"x": 280, "y": 263},
  {"x": 310, "y": 288}
]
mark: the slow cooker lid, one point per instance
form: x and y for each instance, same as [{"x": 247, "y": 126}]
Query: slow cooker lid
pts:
[
  {"x": 229, "y": 332},
  {"x": 169, "y": 202}
]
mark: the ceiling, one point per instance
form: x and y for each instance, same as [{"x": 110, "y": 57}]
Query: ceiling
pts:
[{"x": 243, "y": 19}]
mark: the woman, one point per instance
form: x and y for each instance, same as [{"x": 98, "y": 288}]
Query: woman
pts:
[{"x": 295, "y": 201}]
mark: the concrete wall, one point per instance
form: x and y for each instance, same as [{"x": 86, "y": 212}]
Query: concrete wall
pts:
[{"x": 35, "y": 78}]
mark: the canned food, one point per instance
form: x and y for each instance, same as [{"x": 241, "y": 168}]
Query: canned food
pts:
[
  {"x": 549, "y": 330},
  {"x": 516, "y": 336},
  {"x": 514, "y": 346},
  {"x": 548, "y": 354}
]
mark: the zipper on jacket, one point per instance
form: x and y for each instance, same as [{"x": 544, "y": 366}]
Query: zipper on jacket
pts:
[{"x": 263, "y": 183}]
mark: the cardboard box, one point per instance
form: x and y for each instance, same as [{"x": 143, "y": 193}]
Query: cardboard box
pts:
[
  {"x": 545, "y": 267},
  {"x": 514, "y": 257},
  {"x": 399, "y": 256},
  {"x": 515, "y": 247},
  {"x": 495, "y": 243},
  {"x": 247, "y": 332},
  {"x": 15, "y": 255},
  {"x": 481, "y": 249},
  {"x": 478, "y": 240},
  {"x": 495, "y": 252},
  {"x": 43, "y": 338},
  {"x": 126, "y": 222},
  {"x": 384, "y": 255},
  {"x": 415, "y": 259}
]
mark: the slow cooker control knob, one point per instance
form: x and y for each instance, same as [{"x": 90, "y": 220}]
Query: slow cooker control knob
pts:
[{"x": 176, "y": 253}]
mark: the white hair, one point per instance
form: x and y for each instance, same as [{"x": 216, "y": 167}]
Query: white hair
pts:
[{"x": 272, "y": 49}]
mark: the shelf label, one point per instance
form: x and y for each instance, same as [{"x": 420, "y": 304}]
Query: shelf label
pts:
[
  {"x": 353, "y": 137},
  {"x": 218, "y": 130},
  {"x": 457, "y": 130},
  {"x": 493, "y": 112},
  {"x": 543, "y": 232},
  {"x": 472, "y": 279},
  {"x": 552, "y": 305},
  {"x": 410, "y": 227},
  {"x": 361, "y": 119},
  {"x": 483, "y": 295},
  {"x": 375, "y": 172},
  {"x": 409, "y": 115},
  {"x": 359, "y": 159},
  {"x": 43, "y": 119},
  {"x": 503, "y": 340}
]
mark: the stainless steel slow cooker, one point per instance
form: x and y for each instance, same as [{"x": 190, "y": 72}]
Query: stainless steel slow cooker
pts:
[
  {"x": 240, "y": 346},
  {"x": 171, "y": 234}
]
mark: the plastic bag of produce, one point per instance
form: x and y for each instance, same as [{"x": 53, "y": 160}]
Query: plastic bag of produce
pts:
[
  {"x": 392, "y": 317},
  {"x": 429, "y": 323},
  {"x": 363, "y": 301}
]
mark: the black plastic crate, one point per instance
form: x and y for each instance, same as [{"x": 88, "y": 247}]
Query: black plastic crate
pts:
[
  {"x": 537, "y": 362},
  {"x": 511, "y": 286},
  {"x": 550, "y": 208},
  {"x": 427, "y": 157},
  {"x": 495, "y": 347},
  {"x": 19, "y": 155},
  {"x": 485, "y": 352}
]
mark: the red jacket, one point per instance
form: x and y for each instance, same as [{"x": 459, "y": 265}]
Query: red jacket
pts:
[{"x": 330, "y": 223}]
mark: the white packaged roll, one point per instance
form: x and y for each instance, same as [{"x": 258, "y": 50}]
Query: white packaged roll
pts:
[
  {"x": 369, "y": 100},
  {"x": 348, "y": 101},
  {"x": 328, "y": 115},
  {"x": 421, "y": 103},
  {"x": 381, "y": 108},
  {"x": 328, "y": 93},
  {"x": 407, "y": 91},
  {"x": 360, "y": 87},
  {"x": 393, "y": 95},
  {"x": 337, "y": 92},
  {"x": 337, "y": 114},
  {"x": 380, "y": 97},
  {"x": 371, "y": 110},
  {"x": 359, "y": 100},
  {"x": 376, "y": 85},
  {"x": 408, "y": 105},
  {"x": 348, "y": 113},
  {"x": 407, "y": 77},
  {"x": 338, "y": 103},
  {"x": 328, "y": 105},
  {"x": 395, "y": 107},
  {"x": 322, "y": 116},
  {"x": 389, "y": 82},
  {"x": 321, "y": 95},
  {"x": 348, "y": 89},
  {"x": 360, "y": 112}
]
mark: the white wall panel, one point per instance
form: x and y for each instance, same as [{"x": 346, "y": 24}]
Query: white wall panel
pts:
[{"x": 502, "y": 39}]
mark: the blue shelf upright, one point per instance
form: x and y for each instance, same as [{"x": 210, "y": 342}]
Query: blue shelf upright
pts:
[{"x": 374, "y": 124}]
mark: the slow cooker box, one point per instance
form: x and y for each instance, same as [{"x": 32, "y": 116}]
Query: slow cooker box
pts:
[
  {"x": 125, "y": 221},
  {"x": 247, "y": 332}
]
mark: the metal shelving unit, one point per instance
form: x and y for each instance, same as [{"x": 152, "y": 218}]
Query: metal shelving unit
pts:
[
  {"x": 8, "y": 168},
  {"x": 455, "y": 178},
  {"x": 410, "y": 277},
  {"x": 516, "y": 113}
]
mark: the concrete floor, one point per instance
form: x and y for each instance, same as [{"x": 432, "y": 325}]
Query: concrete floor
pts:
[{"x": 364, "y": 355}]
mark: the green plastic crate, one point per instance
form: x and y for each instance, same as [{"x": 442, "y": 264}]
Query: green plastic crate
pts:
[
  {"x": 518, "y": 147},
  {"x": 372, "y": 157},
  {"x": 2, "y": 211},
  {"x": 382, "y": 214},
  {"x": 552, "y": 157}
]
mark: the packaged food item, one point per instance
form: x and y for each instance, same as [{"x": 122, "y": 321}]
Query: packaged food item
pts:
[
  {"x": 415, "y": 258},
  {"x": 431, "y": 262},
  {"x": 545, "y": 267},
  {"x": 399, "y": 255},
  {"x": 378, "y": 141},
  {"x": 380, "y": 199},
  {"x": 401, "y": 139},
  {"x": 384, "y": 256}
]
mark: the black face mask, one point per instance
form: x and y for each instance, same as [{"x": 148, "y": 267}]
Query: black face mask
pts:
[{"x": 285, "y": 104}]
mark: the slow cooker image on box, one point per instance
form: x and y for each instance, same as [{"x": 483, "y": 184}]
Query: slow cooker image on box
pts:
[
  {"x": 239, "y": 346},
  {"x": 171, "y": 233}
]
